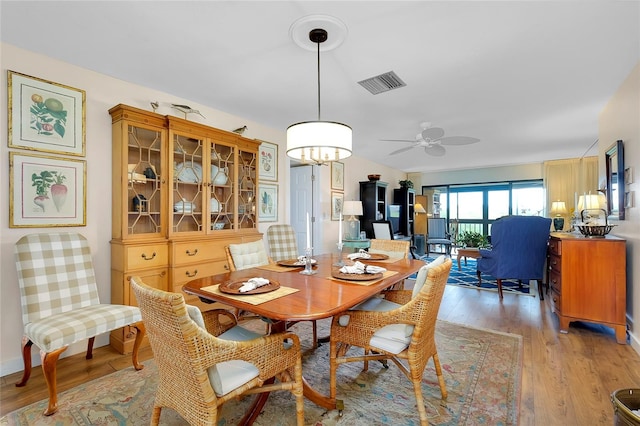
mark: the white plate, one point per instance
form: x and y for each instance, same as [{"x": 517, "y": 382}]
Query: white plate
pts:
[{"x": 187, "y": 173}]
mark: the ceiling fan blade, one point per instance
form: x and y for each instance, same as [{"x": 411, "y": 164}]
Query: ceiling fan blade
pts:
[
  {"x": 458, "y": 140},
  {"x": 433, "y": 133},
  {"x": 402, "y": 150},
  {"x": 435, "y": 150},
  {"x": 397, "y": 140}
]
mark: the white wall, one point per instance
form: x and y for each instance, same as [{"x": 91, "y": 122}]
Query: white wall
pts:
[
  {"x": 620, "y": 119},
  {"x": 103, "y": 92}
]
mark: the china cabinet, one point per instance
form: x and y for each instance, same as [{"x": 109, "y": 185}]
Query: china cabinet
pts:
[
  {"x": 373, "y": 195},
  {"x": 588, "y": 281},
  {"x": 405, "y": 198},
  {"x": 182, "y": 191}
]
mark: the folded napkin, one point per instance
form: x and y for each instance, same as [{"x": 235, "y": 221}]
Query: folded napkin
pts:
[
  {"x": 361, "y": 268},
  {"x": 362, "y": 254},
  {"x": 252, "y": 284},
  {"x": 302, "y": 260}
]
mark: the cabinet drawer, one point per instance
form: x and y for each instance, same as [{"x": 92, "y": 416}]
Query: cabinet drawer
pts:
[
  {"x": 183, "y": 274},
  {"x": 556, "y": 302},
  {"x": 145, "y": 256},
  {"x": 198, "y": 251},
  {"x": 555, "y": 246},
  {"x": 555, "y": 281},
  {"x": 555, "y": 263}
]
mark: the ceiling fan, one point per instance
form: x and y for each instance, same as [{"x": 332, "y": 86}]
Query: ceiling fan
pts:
[{"x": 432, "y": 139}]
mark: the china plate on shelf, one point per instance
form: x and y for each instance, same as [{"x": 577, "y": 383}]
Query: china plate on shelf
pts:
[
  {"x": 233, "y": 287},
  {"x": 295, "y": 262},
  {"x": 191, "y": 173},
  {"x": 355, "y": 277}
]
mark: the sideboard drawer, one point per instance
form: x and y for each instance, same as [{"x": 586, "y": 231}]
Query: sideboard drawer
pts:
[
  {"x": 184, "y": 253},
  {"x": 556, "y": 302},
  {"x": 146, "y": 256},
  {"x": 555, "y": 263},
  {"x": 555, "y": 281},
  {"x": 555, "y": 247},
  {"x": 184, "y": 274}
]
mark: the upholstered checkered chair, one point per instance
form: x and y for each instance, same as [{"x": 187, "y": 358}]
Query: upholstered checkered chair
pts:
[
  {"x": 60, "y": 304},
  {"x": 205, "y": 359},
  {"x": 282, "y": 242}
]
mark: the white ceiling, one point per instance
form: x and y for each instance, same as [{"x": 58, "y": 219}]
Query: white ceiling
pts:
[{"x": 528, "y": 78}]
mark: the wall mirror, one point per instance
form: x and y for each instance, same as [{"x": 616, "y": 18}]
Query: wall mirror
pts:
[{"x": 614, "y": 158}]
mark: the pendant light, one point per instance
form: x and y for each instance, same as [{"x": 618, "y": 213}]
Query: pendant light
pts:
[{"x": 318, "y": 142}]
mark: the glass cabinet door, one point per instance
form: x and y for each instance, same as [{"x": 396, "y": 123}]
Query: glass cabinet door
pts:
[
  {"x": 187, "y": 196},
  {"x": 247, "y": 182},
  {"x": 144, "y": 179},
  {"x": 221, "y": 192}
]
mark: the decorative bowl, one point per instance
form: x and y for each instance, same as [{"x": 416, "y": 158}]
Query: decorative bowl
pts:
[
  {"x": 218, "y": 226},
  {"x": 595, "y": 231},
  {"x": 373, "y": 178}
]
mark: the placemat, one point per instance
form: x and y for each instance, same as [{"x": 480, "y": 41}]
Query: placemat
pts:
[
  {"x": 253, "y": 299},
  {"x": 277, "y": 268},
  {"x": 385, "y": 274}
]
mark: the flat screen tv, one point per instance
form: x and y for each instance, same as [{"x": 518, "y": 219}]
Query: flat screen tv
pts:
[{"x": 393, "y": 216}]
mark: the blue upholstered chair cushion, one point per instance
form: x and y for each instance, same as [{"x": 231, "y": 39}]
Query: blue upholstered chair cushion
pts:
[{"x": 519, "y": 248}]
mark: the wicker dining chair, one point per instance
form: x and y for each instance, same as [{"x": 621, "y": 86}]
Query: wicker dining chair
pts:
[
  {"x": 251, "y": 255},
  {"x": 397, "y": 249},
  {"x": 400, "y": 326},
  {"x": 205, "y": 359},
  {"x": 60, "y": 303}
]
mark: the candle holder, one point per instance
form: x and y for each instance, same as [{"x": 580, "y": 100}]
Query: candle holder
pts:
[
  {"x": 340, "y": 262},
  {"x": 307, "y": 262}
]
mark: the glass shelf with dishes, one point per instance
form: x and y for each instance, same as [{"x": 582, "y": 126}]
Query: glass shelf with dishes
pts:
[
  {"x": 247, "y": 189},
  {"x": 188, "y": 183}
]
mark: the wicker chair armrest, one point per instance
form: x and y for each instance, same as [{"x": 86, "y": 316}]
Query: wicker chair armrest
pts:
[
  {"x": 217, "y": 321},
  {"x": 401, "y": 297}
]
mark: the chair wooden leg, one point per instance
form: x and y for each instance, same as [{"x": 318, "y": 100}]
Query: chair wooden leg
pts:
[
  {"x": 333, "y": 367},
  {"x": 26, "y": 357},
  {"x": 90, "y": 347},
  {"x": 315, "y": 333},
  {"x": 49, "y": 364},
  {"x": 479, "y": 278},
  {"x": 155, "y": 416},
  {"x": 443, "y": 386},
  {"x": 417, "y": 390},
  {"x": 540, "y": 292},
  {"x": 140, "y": 333},
  {"x": 499, "y": 281}
]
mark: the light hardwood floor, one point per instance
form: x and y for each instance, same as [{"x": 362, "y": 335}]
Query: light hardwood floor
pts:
[{"x": 567, "y": 379}]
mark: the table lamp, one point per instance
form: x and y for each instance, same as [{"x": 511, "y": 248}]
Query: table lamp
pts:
[
  {"x": 559, "y": 209},
  {"x": 587, "y": 206},
  {"x": 350, "y": 210}
]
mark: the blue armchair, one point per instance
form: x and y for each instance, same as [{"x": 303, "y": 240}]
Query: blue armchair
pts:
[{"x": 519, "y": 250}]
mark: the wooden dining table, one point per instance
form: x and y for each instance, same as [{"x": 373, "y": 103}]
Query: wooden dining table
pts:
[{"x": 301, "y": 298}]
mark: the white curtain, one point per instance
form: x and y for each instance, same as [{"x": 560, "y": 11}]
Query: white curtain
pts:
[{"x": 566, "y": 180}]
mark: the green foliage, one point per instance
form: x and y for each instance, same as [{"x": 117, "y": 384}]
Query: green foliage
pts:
[
  {"x": 472, "y": 239},
  {"x": 406, "y": 183}
]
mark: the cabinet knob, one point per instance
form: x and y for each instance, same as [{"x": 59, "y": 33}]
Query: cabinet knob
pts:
[
  {"x": 145, "y": 257},
  {"x": 190, "y": 275},
  {"x": 190, "y": 253}
]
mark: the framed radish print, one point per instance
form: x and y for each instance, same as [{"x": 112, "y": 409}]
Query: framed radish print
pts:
[{"x": 46, "y": 191}]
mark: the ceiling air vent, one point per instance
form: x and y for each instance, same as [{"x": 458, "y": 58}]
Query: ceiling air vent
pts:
[{"x": 382, "y": 83}]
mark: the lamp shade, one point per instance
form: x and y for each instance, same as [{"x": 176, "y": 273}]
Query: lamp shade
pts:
[
  {"x": 588, "y": 202},
  {"x": 418, "y": 208},
  {"x": 352, "y": 208},
  {"x": 558, "y": 208},
  {"x": 319, "y": 141}
]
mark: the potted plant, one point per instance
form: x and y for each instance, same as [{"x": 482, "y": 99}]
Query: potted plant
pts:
[
  {"x": 472, "y": 239},
  {"x": 405, "y": 183}
]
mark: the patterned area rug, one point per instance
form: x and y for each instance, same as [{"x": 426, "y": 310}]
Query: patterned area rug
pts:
[
  {"x": 467, "y": 277},
  {"x": 482, "y": 370}
]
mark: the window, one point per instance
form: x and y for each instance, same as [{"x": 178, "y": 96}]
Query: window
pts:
[{"x": 475, "y": 207}]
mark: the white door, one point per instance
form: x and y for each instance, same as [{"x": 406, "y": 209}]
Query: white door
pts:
[{"x": 302, "y": 196}]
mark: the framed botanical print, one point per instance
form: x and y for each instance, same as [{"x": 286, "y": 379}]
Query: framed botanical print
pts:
[
  {"x": 46, "y": 191},
  {"x": 337, "y": 201},
  {"x": 337, "y": 175},
  {"x": 268, "y": 202},
  {"x": 268, "y": 161},
  {"x": 45, "y": 116}
]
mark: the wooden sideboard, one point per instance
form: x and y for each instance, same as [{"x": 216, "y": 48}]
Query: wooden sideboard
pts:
[{"x": 588, "y": 281}]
